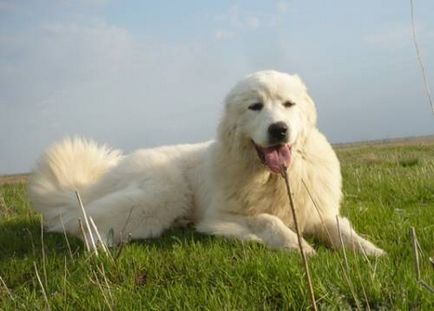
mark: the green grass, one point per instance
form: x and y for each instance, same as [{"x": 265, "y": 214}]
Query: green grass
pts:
[{"x": 387, "y": 190}]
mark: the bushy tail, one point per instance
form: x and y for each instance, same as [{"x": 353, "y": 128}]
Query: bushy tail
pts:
[{"x": 73, "y": 164}]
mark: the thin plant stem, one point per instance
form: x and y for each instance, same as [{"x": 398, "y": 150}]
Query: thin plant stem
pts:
[
  {"x": 7, "y": 289},
  {"x": 419, "y": 58},
  {"x": 66, "y": 238},
  {"x": 44, "y": 294},
  {"x": 300, "y": 244},
  {"x": 86, "y": 221},
  {"x": 86, "y": 242}
]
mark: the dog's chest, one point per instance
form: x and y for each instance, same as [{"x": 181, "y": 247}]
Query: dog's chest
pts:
[{"x": 268, "y": 196}]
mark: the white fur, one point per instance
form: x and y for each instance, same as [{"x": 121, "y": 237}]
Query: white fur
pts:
[{"x": 221, "y": 186}]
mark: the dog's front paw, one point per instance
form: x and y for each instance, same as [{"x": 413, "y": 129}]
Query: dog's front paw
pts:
[
  {"x": 307, "y": 249},
  {"x": 374, "y": 251},
  {"x": 369, "y": 248}
]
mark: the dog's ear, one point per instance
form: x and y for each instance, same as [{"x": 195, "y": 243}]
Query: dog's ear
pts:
[
  {"x": 299, "y": 82},
  {"x": 309, "y": 105},
  {"x": 227, "y": 128},
  {"x": 310, "y": 110}
]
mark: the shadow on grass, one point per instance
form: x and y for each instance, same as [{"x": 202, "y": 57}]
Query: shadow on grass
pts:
[
  {"x": 179, "y": 236},
  {"x": 21, "y": 238}
]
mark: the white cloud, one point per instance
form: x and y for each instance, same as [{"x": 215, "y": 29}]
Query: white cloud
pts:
[
  {"x": 251, "y": 22},
  {"x": 96, "y": 49},
  {"x": 398, "y": 36},
  {"x": 98, "y": 80},
  {"x": 238, "y": 20},
  {"x": 282, "y": 6},
  {"x": 223, "y": 34},
  {"x": 85, "y": 2},
  {"x": 393, "y": 37}
]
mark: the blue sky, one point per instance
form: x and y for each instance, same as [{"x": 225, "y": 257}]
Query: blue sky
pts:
[{"x": 137, "y": 74}]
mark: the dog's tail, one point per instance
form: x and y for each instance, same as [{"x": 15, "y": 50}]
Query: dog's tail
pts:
[{"x": 75, "y": 164}]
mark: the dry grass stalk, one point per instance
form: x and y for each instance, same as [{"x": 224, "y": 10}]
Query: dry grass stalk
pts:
[
  {"x": 359, "y": 276},
  {"x": 365, "y": 256},
  {"x": 86, "y": 221},
  {"x": 342, "y": 243},
  {"x": 102, "y": 272},
  {"x": 119, "y": 252},
  {"x": 416, "y": 253},
  {"x": 44, "y": 259},
  {"x": 127, "y": 221},
  {"x": 122, "y": 244},
  {"x": 65, "y": 281},
  {"x": 347, "y": 278},
  {"x": 44, "y": 294},
  {"x": 97, "y": 281},
  {"x": 86, "y": 242},
  {"x": 102, "y": 243},
  {"x": 300, "y": 244},
  {"x": 31, "y": 241},
  {"x": 426, "y": 285},
  {"x": 95, "y": 229},
  {"x": 66, "y": 238},
  {"x": 6, "y": 288},
  {"x": 419, "y": 58},
  {"x": 416, "y": 247},
  {"x": 121, "y": 234},
  {"x": 91, "y": 226},
  {"x": 348, "y": 267}
]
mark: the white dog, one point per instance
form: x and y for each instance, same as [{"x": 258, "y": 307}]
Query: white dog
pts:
[{"x": 230, "y": 187}]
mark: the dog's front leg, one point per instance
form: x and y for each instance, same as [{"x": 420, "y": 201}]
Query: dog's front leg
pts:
[
  {"x": 338, "y": 232},
  {"x": 265, "y": 228}
]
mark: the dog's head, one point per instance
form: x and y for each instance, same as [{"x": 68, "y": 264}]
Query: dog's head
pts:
[{"x": 268, "y": 112}]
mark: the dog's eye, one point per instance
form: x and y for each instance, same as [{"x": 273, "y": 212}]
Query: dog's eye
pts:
[
  {"x": 288, "y": 104},
  {"x": 256, "y": 106}
]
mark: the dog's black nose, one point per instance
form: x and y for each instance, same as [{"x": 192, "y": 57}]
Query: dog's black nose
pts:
[{"x": 278, "y": 131}]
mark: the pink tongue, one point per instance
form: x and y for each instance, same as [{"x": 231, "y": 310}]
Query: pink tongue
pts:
[{"x": 277, "y": 158}]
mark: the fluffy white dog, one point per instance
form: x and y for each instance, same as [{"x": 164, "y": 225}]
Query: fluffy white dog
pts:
[{"x": 230, "y": 187}]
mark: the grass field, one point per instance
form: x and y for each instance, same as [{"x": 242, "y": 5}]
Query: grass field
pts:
[{"x": 388, "y": 189}]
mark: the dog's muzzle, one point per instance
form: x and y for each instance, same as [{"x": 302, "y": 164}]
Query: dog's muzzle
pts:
[
  {"x": 277, "y": 158},
  {"x": 278, "y": 133}
]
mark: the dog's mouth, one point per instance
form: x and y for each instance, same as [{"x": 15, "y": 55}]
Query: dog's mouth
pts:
[{"x": 277, "y": 158}]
